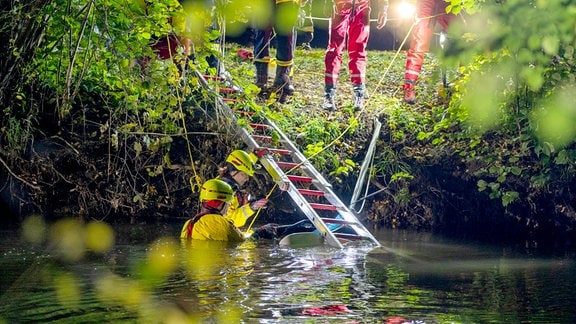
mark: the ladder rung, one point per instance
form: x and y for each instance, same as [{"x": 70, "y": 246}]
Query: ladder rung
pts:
[
  {"x": 213, "y": 77},
  {"x": 262, "y": 138},
  {"x": 323, "y": 206},
  {"x": 296, "y": 178},
  {"x": 259, "y": 126},
  {"x": 338, "y": 221},
  {"x": 311, "y": 192},
  {"x": 266, "y": 150},
  {"x": 349, "y": 236},
  {"x": 242, "y": 112},
  {"x": 227, "y": 90},
  {"x": 287, "y": 165},
  {"x": 229, "y": 99}
]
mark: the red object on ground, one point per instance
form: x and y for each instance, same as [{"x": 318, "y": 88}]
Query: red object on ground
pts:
[
  {"x": 396, "y": 320},
  {"x": 245, "y": 54}
]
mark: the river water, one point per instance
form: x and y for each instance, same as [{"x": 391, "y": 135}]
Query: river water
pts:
[{"x": 147, "y": 276}]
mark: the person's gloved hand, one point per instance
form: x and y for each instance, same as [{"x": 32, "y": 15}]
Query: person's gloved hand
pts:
[
  {"x": 259, "y": 204},
  {"x": 382, "y": 17},
  {"x": 248, "y": 234},
  {"x": 267, "y": 231},
  {"x": 284, "y": 186}
]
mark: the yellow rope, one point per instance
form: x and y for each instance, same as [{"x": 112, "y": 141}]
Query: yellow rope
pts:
[
  {"x": 259, "y": 209},
  {"x": 195, "y": 180}
]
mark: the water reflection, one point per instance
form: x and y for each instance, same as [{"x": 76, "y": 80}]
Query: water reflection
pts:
[{"x": 414, "y": 276}]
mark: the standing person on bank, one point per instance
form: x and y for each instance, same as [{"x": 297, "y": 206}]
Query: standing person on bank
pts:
[
  {"x": 282, "y": 21},
  {"x": 173, "y": 45},
  {"x": 350, "y": 20},
  {"x": 305, "y": 29},
  {"x": 210, "y": 223},
  {"x": 428, "y": 12}
]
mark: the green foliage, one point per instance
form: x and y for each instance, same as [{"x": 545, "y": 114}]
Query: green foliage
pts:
[
  {"x": 16, "y": 133},
  {"x": 516, "y": 86},
  {"x": 509, "y": 118},
  {"x": 93, "y": 69}
]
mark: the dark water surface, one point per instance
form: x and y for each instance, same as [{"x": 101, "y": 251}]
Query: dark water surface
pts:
[{"x": 415, "y": 276}]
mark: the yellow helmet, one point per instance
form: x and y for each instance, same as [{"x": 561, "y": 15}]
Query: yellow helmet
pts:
[
  {"x": 215, "y": 189},
  {"x": 241, "y": 161}
]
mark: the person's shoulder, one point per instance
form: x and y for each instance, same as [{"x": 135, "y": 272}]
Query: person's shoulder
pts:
[{"x": 216, "y": 218}]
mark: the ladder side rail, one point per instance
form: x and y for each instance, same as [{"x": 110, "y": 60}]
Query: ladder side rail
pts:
[
  {"x": 300, "y": 158},
  {"x": 323, "y": 185},
  {"x": 280, "y": 177},
  {"x": 358, "y": 227}
]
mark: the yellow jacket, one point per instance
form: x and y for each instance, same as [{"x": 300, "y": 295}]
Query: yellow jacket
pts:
[
  {"x": 211, "y": 227},
  {"x": 239, "y": 214}
]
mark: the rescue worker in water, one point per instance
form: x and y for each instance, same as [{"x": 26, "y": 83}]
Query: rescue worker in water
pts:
[
  {"x": 237, "y": 171},
  {"x": 239, "y": 206},
  {"x": 210, "y": 223},
  {"x": 234, "y": 174}
]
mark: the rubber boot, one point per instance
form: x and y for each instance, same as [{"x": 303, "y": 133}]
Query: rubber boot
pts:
[
  {"x": 409, "y": 93},
  {"x": 329, "y": 97},
  {"x": 262, "y": 78},
  {"x": 282, "y": 84},
  {"x": 359, "y": 95}
]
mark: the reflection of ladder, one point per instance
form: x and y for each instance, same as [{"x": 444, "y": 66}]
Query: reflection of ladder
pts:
[{"x": 287, "y": 166}]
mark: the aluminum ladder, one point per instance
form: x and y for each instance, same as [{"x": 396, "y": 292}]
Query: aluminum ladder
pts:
[{"x": 288, "y": 167}]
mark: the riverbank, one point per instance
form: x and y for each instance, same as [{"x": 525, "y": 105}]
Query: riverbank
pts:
[{"x": 427, "y": 173}]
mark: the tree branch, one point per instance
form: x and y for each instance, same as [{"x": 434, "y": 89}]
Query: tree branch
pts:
[{"x": 17, "y": 177}]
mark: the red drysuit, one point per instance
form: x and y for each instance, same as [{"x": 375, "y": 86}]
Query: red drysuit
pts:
[
  {"x": 352, "y": 18},
  {"x": 428, "y": 13}
]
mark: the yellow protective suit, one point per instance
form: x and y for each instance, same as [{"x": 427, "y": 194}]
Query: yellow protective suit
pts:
[
  {"x": 239, "y": 210},
  {"x": 211, "y": 227}
]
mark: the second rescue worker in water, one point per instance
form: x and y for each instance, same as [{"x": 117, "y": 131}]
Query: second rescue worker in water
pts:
[{"x": 237, "y": 171}]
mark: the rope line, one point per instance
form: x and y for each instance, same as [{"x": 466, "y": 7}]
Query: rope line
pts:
[
  {"x": 259, "y": 209},
  {"x": 195, "y": 180}
]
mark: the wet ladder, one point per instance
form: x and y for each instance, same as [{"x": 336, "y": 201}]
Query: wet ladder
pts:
[{"x": 288, "y": 167}]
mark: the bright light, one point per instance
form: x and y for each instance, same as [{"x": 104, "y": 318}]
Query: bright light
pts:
[
  {"x": 406, "y": 10},
  {"x": 442, "y": 40}
]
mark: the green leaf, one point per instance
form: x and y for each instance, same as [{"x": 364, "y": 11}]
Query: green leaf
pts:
[
  {"x": 516, "y": 170},
  {"x": 482, "y": 185},
  {"x": 137, "y": 148},
  {"x": 509, "y": 197}
]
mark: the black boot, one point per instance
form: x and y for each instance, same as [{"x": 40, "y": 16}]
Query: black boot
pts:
[
  {"x": 282, "y": 84},
  {"x": 262, "y": 78}
]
